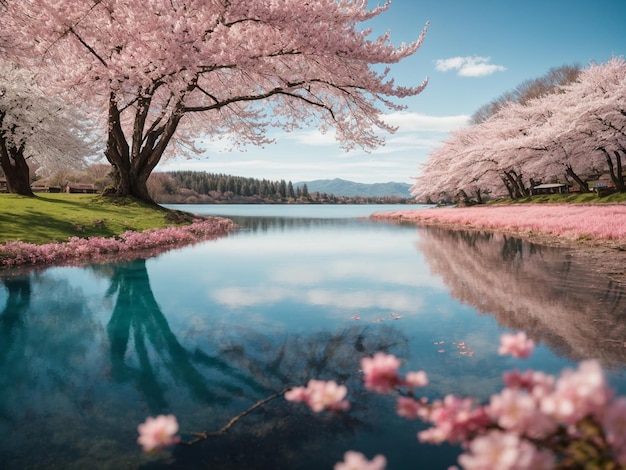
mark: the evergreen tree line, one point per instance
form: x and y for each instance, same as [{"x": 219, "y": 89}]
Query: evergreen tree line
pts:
[
  {"x": 204, "y": 183},
  {"x": 203, "y": 187}
]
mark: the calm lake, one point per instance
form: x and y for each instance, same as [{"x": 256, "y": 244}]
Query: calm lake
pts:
[{"x": 299, "y": 292}]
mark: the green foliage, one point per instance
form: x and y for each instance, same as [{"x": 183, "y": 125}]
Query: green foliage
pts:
[
  {"x": 200, "y": 187},
  {"x": 57, "y": 217}
]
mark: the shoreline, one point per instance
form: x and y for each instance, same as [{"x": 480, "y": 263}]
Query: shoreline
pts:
[
  {"x": 603, "y": 251},
  {"x": 125, "y": 247}
]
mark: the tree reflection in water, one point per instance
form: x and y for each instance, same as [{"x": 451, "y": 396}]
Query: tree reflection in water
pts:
[
  {"x": 246, "y": 366},
  {"x": 541, "y": 290},
  {"x": 137, "y": 322}
]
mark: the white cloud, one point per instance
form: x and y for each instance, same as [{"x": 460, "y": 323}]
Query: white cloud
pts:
[{"x": 476, "y": 66}]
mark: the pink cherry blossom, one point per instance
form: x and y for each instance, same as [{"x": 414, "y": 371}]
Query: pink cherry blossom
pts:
[
  {"x": 538, "y": 383},
  {"x": 320, "y": 395},
  {"x": 614, "y": 425},
  {"x": 455, "y": 419},
  {"x": 518, "y": 345},
  {"x": 356, "y": 461},
  {"x": 499, "y": 450},
  {"x": 381, "y": 372},
  {"x": 578, "y": 393},
  {"x": 410, "y": 408},
  {"x": 158, "y": 433},
  {"x": 416, "y": 379},
  {"x": 518, "y": 411}
]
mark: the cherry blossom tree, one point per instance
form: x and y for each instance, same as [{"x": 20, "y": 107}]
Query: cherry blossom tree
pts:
[
  {"x": 164, "y": 72},
  {"x": 576, "y": 133},
  {"x": 37, "y": 128},
  {"x": 595, "y": 114}
]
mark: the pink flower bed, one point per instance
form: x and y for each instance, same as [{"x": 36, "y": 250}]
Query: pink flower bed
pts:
[
  {"x": 128, "y": 245},
  {"x": 572, "y": 221}
]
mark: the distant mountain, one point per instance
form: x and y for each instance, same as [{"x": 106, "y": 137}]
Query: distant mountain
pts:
[{"x": 339, "y": 187}]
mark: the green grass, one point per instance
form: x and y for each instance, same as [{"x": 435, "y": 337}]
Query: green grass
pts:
[
  {"x": 573, "y": 198},
  {"x": 57, "y": 217}
]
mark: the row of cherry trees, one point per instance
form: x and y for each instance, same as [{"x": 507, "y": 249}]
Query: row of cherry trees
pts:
[
  {"x": 572, "y": 135},
  {"x": 158, "y": 74}
]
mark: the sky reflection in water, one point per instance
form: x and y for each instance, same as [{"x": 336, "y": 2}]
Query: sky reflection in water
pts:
[{"x": 205, "y": 331}]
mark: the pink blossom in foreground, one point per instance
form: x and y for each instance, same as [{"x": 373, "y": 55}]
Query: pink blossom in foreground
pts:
[
  {"x": 517, "y": 345},
  {"x": 538, "y": 383},
  {"x": 614, "y": 425},
  {"x": 381, "y": 372},
  {"x": 455, "y": 420},
  {"x": 410, "y": 408},
  {"x": 416, "y": 379},
  {"x": 499, "y": 450},
  {"x": 356, "y": 461},
  {"x": 320, "y": 395},
  {"x": 158, "y": 433},
  {"x": 517, "y": 410},
  {"x": 578, "y": 393}
]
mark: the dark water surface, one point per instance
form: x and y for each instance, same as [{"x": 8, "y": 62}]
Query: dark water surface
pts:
[{"x": 204, "y": 332}]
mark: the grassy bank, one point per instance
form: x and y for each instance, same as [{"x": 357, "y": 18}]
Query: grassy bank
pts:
[
  {"x": 570, "y": 198},
  {"x": 57, "y": 217}
]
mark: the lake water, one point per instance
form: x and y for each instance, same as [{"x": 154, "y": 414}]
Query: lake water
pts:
[{"x": 299, "y": 292}]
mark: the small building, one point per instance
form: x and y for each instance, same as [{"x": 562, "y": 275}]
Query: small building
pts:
[
  {"x": 4, "y": 187},
  {"x": 81, "y": 188},
  {"x": 550, "y": 188}
]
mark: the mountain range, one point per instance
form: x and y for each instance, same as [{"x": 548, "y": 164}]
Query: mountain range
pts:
[{"x": 340, "y": 187}]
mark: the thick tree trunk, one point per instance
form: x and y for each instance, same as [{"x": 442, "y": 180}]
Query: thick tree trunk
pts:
[
  {"x": 133, "y": 164},
  {"x": 508, "y": 187},
  {"x": 584, "y": 187},
  {"x": 479, "y": 196},
  {"x": 516, "y": 187},
  {"x": 615, "y": 169},
  {"x": 15, "y": 169}
]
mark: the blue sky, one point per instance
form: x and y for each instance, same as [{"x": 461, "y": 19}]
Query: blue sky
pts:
[{"x": 474, "y": 51}]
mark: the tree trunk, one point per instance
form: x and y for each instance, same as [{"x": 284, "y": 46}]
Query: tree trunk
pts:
[
  {"x": 515, "y": 184},
  {"x": 479, "y": 196},
  {"x": 132, "y": 165},
  {"x": 615, "y": 169},
  {"x": 15, "y": 169},
  {"x": 508, "y": 187},
  {"x": 584, "y": 187}
]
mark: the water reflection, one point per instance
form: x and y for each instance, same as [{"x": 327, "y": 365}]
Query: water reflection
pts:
[
  {"x": 82, "y": 386},
  {"x": 542, "y": 290}
]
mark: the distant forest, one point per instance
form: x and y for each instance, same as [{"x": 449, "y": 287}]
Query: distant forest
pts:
[{"x": 199, "y": 187}]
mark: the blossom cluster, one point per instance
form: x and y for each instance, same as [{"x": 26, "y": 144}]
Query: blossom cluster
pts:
[
  {"x": 158, "y": 433},
  {"x": 128, "y": 244},
  {"x": 537, "y": 421},
  {"x": 320, "y": 395}
]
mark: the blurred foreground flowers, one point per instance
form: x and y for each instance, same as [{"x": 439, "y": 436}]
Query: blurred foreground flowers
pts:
[{"x": 536, "y": 422}]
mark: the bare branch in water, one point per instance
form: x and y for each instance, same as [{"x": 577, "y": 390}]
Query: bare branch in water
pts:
[{"x": 201, "y": 436}]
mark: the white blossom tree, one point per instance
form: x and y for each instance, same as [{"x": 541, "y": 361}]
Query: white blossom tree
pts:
[
  {"x": 37, "y": 128},
  {"x": 163, "y": 72}
]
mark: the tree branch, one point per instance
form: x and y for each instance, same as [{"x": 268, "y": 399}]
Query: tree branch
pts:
[{"x": 201, "y": 436}]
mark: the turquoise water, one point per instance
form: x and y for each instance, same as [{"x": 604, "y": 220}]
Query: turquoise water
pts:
[{"x": 299, "y": 292}]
